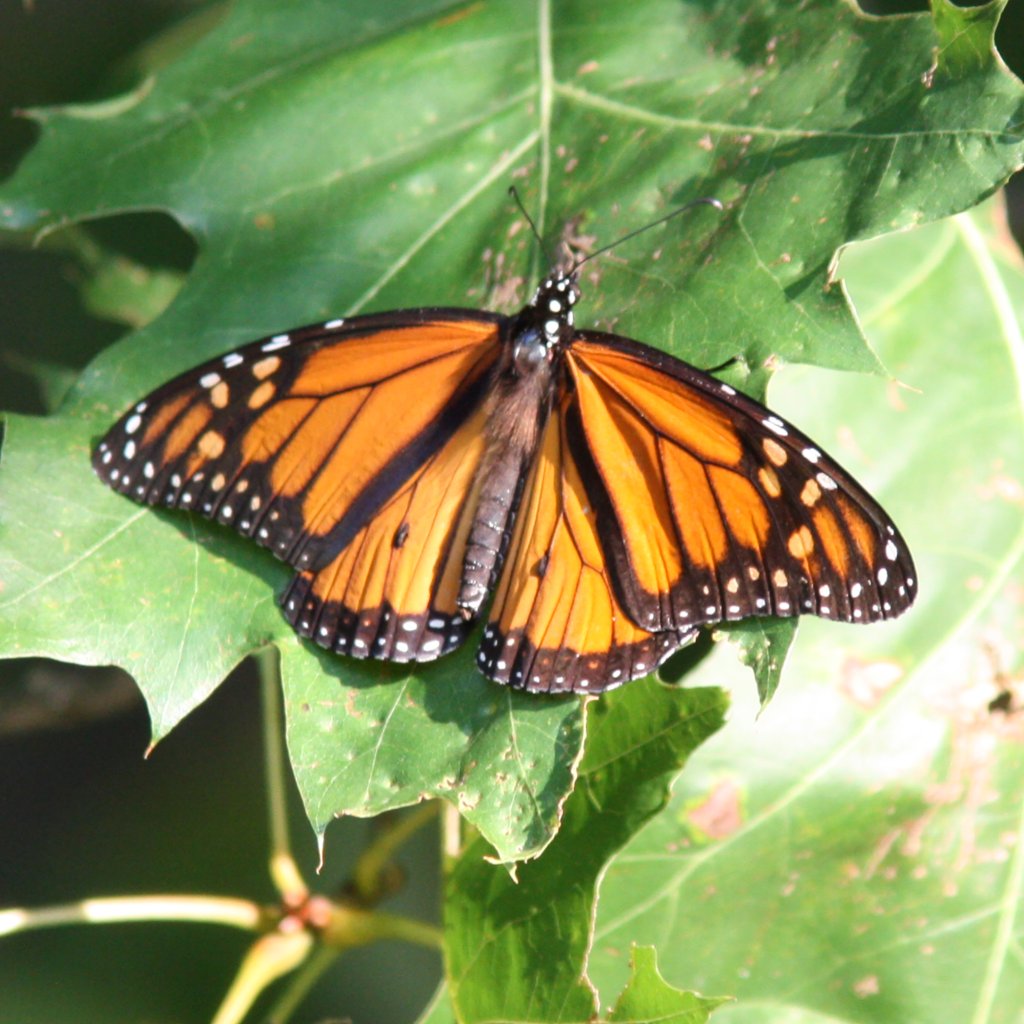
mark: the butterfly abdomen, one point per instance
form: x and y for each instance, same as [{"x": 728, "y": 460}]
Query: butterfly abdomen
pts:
[{"x": 492, "y": 522}]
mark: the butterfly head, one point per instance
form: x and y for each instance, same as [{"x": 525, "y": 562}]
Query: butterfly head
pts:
[{"x": 545, "y": 326}]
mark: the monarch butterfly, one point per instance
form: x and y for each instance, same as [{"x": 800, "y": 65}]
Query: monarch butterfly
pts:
[{"x": 609, "y": 498}]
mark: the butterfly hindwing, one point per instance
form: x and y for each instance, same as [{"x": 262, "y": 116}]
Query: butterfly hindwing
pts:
[
  {"x": 391, "y": 592},
  {"x": 716, "y": 509},
  {"x": 297, "y": 440},
  {"x": 556, "y": 623}
]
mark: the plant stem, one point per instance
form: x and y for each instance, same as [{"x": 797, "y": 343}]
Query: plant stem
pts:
[
  {"x": 234, "y": 913},
  {"x": 402, "y": 929},
  {"x": 369, "y": 871},
  {"x": 270, "y": 957},
  {"x": 299, "y": 986},
  {"x": 283, "y": 870}
]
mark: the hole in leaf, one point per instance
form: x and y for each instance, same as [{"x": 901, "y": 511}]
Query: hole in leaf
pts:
[
  {"x": 686, "y": 660},
  {"x": 79, "y": 291},
  {"x": 77, "y": 52}
]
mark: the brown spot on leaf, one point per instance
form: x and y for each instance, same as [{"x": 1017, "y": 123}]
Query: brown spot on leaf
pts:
[
  {"x": 867, "y": 986},
  {"x": 720, "y": 813},
  {"x": 867, "y": 682}
]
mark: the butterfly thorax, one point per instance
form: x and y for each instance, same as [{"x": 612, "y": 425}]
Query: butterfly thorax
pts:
[
  {"x": 550, "y": 309},
  {"x": 519, "y": 404}
]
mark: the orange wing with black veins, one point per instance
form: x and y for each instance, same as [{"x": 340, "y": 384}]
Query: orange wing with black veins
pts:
[
  {"x": 557, "y": 623},
  {"x": 349, "y": 449},
  {"x": 713, "y": 508}
]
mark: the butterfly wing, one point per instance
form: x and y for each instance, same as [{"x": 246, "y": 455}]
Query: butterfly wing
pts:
[
  {"x": 392, "y": 591},
  {"x": 659, "y": 499},
  {"x": 348, "y": 449},
  {"x": 663, "y": 500},
  {"x": 298, "y": 439},
  {"x": 557, "y": 623},
  {"x": 713, "y": 508}
]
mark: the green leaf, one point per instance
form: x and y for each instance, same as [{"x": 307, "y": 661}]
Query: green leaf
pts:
[
  {"x": 648, "y": 998},
  {"x": 856, "y": 852},
  {"x": 334, "y": 160},
  {"x": 762, "y": 646},
  {"x": 372, "y": 735},
  {"x": 440, "y": 1010},
  {"x": 496, "y": 925}
]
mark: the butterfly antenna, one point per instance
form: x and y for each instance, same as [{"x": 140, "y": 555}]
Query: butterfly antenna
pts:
[
  {"x": 707, "y": 201},
  {"x": 514, "y": 193}
]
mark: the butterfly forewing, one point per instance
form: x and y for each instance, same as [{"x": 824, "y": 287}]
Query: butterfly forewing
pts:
[
  {"x": 297, "y": 440},
  {"x": 716, "y": 509}
]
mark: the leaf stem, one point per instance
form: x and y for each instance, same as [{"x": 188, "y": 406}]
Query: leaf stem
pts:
[
  {"x": 546, "y": 75},
  {"x": 370, "y": 874},
  {"x": 993, "y": 283},
  {"x": 348, "y": 927},
  {"x": 1006, "y": 923},
  {"x": 234, "y": 913},
  {"x": 300, "y": 985},
  {"x": 265, "y": 961},
  {"x": 451, "y": 835},
  {"x": 283, "y": 870}
]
